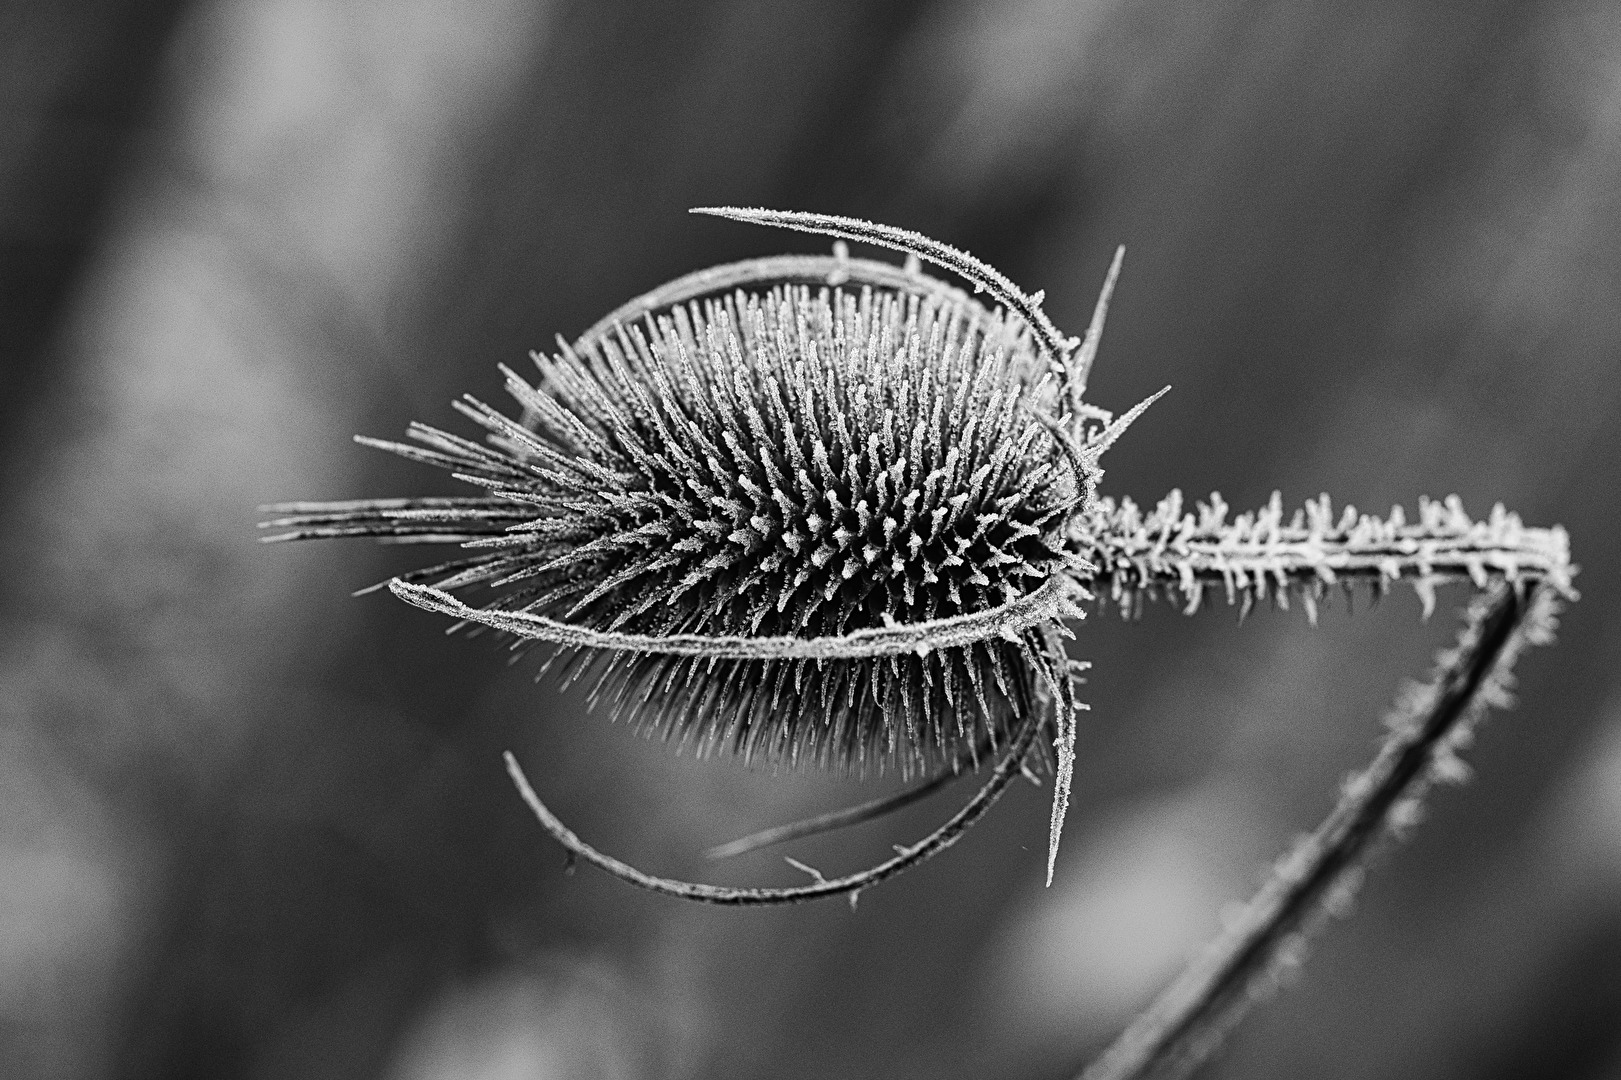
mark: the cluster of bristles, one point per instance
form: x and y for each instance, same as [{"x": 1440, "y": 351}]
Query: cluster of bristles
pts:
[{"x": 805, "y": 462}]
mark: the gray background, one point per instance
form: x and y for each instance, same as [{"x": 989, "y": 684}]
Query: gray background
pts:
[{"x": 250, "y": 827}]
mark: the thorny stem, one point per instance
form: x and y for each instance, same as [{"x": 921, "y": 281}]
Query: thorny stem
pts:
[
  {"x": 852, "y": 884},
  {"x": 1183, "y": 551},
  {"x": 1189, "y": 1019}
]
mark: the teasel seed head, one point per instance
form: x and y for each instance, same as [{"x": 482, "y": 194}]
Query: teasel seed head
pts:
[
  {"x": 806, "y": 509},
  {"x": 806, "y": 461}
]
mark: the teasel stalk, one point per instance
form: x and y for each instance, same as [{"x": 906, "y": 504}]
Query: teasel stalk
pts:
[
  {"x": 827, "y": 511},
  {"x": 1263, "y": 943}
]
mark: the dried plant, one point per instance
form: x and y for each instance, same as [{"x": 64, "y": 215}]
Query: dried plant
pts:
[{"x": 828, "y": 511}]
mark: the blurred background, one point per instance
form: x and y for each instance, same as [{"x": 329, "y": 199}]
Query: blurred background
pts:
[{"x": 250, "y": 827}]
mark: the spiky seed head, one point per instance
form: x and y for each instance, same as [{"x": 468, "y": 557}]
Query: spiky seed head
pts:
[
  {"x": 792, "y": 460},
  {"x": 844, "y": 525}
]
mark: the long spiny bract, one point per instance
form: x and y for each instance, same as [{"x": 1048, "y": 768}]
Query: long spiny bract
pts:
[{"x": 806, "y": 463}]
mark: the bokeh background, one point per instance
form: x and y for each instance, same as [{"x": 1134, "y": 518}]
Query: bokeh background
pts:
[{"x": 250, "y": 827}]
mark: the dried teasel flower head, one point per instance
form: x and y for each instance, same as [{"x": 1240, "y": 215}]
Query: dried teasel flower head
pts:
[
  {"x": 830, "y": 510},
  {"x": 807, "y": 509}
]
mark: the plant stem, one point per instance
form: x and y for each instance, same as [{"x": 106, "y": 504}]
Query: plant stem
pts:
[{"x": 1189, "y": 1019}]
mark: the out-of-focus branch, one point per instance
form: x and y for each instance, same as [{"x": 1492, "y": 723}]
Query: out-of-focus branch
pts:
[{"x": 1189, "y": 1020}]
